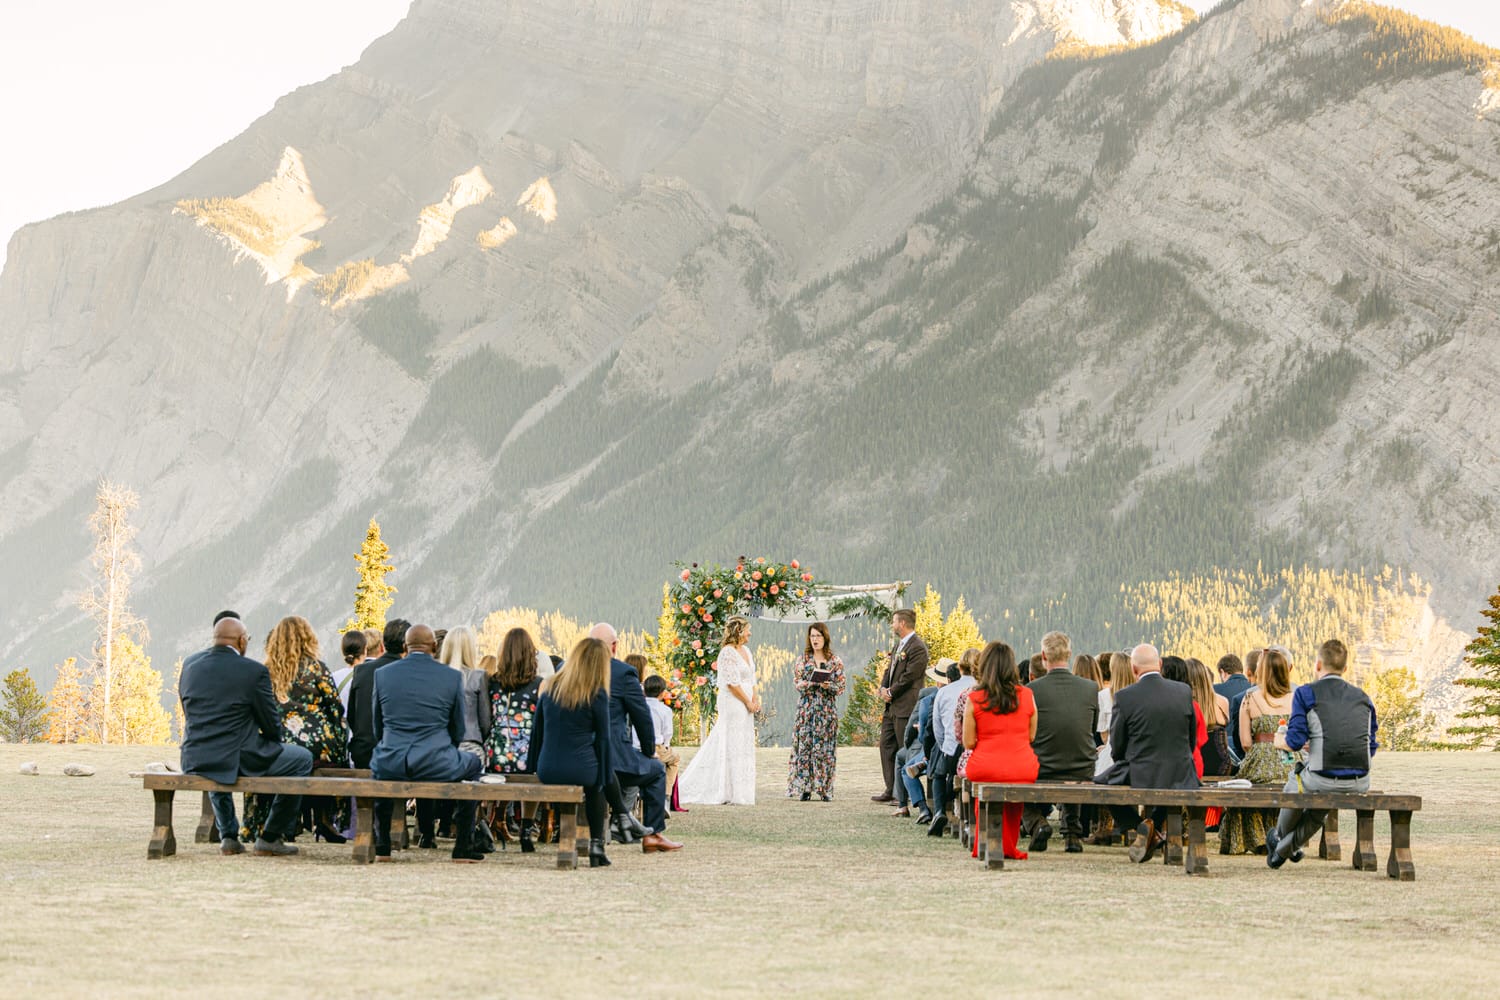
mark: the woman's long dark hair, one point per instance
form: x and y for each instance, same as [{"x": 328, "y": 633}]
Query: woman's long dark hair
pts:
[
  {"x": 822, "y": 630},
  {"x": 999, "y": 679}
]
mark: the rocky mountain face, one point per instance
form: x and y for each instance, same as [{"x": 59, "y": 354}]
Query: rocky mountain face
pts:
[{"x": 561, "y": 297}]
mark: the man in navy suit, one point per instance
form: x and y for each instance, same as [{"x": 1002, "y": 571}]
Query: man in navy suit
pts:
[
  {"x": 233, "y": 727},
  {"x": 418, "y": 714},
  {"x": 1151, "y": 736},
  {"x": 627, "y": 710}
]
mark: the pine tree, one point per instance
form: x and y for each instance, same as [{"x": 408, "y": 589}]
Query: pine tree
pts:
[
  {"x": 961, "y": 631},
  {"x": 1481, "y": 726},
  {"x": 135, "y": 713},
  {"x": 372, "y": 595},
  {"x": 1398, "y": 707},
  {"x": 665, "y": 639},
  {"x": 930, "y": 624},
  {"x": 860, "y": 726},
  {"x": 68, "y": 707},
  {"x": 23, "y": 710}
]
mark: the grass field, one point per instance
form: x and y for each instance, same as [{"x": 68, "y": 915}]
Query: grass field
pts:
[{"x": 785, "y": 898}]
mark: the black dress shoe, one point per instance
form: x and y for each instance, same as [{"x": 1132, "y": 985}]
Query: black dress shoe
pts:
[
  {"x": 1039, "y": 837},
  {"x": 467, "y": 857},
  {"x": 1074, "y": 845},
  {"x": 806, "y": 796},
  {"x": 596, "y": 855},
  {"x": 528, "y": 831},
  {"x": 924, "y": 817},
  {"x": 938, "y": 826},
  {"x": 426, "y": 841}
]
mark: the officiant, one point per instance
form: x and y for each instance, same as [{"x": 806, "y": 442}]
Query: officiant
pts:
[{"x": 819, "y": 680}]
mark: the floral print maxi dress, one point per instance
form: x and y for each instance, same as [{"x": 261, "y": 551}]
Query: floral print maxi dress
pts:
[
  {"x": 313, "y": 717},
  {"x": 815, "y": 733},
  {"x": 513, "y": 714}
]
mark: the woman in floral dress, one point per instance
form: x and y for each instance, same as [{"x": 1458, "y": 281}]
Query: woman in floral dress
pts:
[
  {"x": 815, "y": 734},
  {"x": 514, "y": 692},
  {"x": 311, "y": 716},
  {"x": 1264, "y": 710}
]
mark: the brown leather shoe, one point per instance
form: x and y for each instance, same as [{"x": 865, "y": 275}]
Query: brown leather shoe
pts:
[
  {"x": 1143, "y": 848},
  {"x": 903, "y": 811},
  {"x": 883, "y": 797},
  {"x": 654, "y": 842}
]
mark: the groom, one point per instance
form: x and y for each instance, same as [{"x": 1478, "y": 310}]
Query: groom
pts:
[{"x": 899, "y": 686}]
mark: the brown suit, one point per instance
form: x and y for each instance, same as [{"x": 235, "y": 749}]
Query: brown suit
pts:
[{"x": 904, "y": 676}]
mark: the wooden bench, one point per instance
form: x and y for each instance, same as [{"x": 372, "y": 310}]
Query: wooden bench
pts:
[
  {"x": 364, "y": 791},
  {"x": 208, "y": 826},
  {"x": 1189, "y": 850}
]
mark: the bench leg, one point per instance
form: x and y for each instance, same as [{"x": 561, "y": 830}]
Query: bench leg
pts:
[
  {"x": 1364, "y": 840},
  {"x": 364, "y": 830},
  {"x": 163, "y": 842},
  {"x": 567, "y": 839},
  {"x": 580, "y": 828},
  {"x": 207, "y": 832},
  {"x": 400, "y": 838},
  {"x": 1195, "y": 860},
  {"x": 991, "y": 849},
  {"x": 1173, "y": 854},
  {"x": 1399, "y": 865},
  {"x": 1328, "y": 846}
]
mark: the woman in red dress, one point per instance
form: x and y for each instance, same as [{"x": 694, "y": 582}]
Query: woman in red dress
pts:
[{"x": 999, "y": 725}]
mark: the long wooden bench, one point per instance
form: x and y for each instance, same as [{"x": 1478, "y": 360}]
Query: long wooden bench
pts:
[
  {"x": 1189, "y": 849},
  {"x": 364, "y": 791}
]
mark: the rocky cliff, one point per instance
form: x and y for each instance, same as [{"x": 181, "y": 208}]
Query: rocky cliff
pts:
[{"x": 561, "y": 297}]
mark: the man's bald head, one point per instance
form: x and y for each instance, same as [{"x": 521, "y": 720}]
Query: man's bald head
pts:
[
  {"x": 606, "y": 634},
  {"x": 231, "y": 632},
  {"x": 421, "y": 639},
  {"x": 1145, "y": 659}
]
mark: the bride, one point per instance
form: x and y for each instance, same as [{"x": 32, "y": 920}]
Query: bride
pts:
[{"x": 723, "y": 770}]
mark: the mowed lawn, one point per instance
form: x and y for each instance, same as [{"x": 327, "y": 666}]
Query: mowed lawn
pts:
[{"x": 784, "y": 898}]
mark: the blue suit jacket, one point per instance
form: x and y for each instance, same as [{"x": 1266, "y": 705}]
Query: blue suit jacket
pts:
[
  {"x": 419, "y": 721},
  {"x": 627, "y": 709},
  {"x": 232, "y": 722}
]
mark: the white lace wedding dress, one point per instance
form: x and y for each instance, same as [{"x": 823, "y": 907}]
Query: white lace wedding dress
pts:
[{"x": 723, "y": 770}]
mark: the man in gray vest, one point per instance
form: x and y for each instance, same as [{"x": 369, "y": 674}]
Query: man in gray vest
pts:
[{"x": 1336, "y": 722}]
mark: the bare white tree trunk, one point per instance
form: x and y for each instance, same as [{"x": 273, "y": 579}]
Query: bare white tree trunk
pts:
[{"x": 108, "y": 601}]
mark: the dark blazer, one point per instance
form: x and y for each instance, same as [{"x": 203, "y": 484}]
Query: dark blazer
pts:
[
  {"x": 1151, "y": 735},
  {"x": 361, "y": 715},
  {"x": 1067, "y": 717},
  {"x": 419, "y": 721},
  {"x": 903, "y": 675},
  {"x": 1232, "y": 685},
  {"x": 231, "y": 724},
  {"x": 571, "y": 746},
  {"x": 627, "y": 710}
]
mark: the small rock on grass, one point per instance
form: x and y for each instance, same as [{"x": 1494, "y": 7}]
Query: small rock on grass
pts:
[
  {"x": 30, "y": 768},
  {"x": 78, "y": 770}
]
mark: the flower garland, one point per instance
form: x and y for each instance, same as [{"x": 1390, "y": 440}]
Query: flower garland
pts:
[{"x": 703, "y": 598}]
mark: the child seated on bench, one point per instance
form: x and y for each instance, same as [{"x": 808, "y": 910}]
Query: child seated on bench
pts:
[{"x": 661, "y": 721}]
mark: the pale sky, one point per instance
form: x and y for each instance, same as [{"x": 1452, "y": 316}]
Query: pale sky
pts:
[{"x": 104, "y": 99}]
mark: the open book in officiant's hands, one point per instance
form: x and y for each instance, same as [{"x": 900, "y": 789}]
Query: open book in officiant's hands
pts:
[{"x": 820, "y": 677}]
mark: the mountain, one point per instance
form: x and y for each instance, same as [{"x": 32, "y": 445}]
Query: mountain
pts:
[{"x": 563, "y": 297}]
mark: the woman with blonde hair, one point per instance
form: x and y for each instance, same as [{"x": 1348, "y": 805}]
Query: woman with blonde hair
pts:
[
  {"x": 1265, "y": 710},
  {"x": 514, "y": 690},
  {"x": 723, "y": 770},
  {"x": 569, "y": 742},
  {"x": 311, "y": 716}
]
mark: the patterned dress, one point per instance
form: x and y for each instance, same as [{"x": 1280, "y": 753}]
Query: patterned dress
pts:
[
  {"x": 1241, "y": 831},
  {"x": 815, "y": 733},
  {"x": 512, "y": 713},
  {"x": 313, "y": 717}
]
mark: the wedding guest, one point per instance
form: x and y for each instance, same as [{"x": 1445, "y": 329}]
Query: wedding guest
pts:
[
  {"x": 226, "y": 614},
  {"x": 999, "y": 725},
  {"x": 1175, "y": 668},
  {"x": 819, "y": 680},
  {"x": 231, "y": 726},
  {"x": 661, "y": 722},
  {"x": 911, "y": 759},
  {"x": 1215, "y": 709},
  {"x": 947, "y": 728},
  {"x": 570, "y": 740},
  {"x": 362, "y": 688},
  {"x": 460, "y": 652},
  {"x": 1236, "y": 700},
  {"x": 638, "y": 661},
  {"x": 1232, "y": 679},
  {"x": 628, "y": 711},
  {"x": 1266, "y": 708},
  {"x": 1087, "y": 667},
  {"x": 1120, "y": 677},
  {"x": 1063, "y": 733},
  {"x": 1103, "y": 661},
  {"x": 899, "y": 686},
  {"x": 1151, "y": 735},
  {"x": 514, "y": 694},
  {"x": 352, "y": 646},
  {"x": 374, "y": 644},
  {"x": 1335, "y": 722},
  {"x": 311, "y": 717},
  {"x": 418, "y": 708}
]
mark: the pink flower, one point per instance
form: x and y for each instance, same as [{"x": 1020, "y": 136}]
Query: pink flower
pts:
[
  {"x": 775, "y": 589},
  {"x": 702, "y": 681},
  {"x": 760, "y": 562},
  {"x": 807, "y": 578},
  {"x": 686, "y": 574},
  {"x": 755, "y": 575},
  {"x": 697, "y": 644},
  {"x": 686, "y": 608},
  {"x": 795, "y": 564},
  {"x": 718, "y": 593}
]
